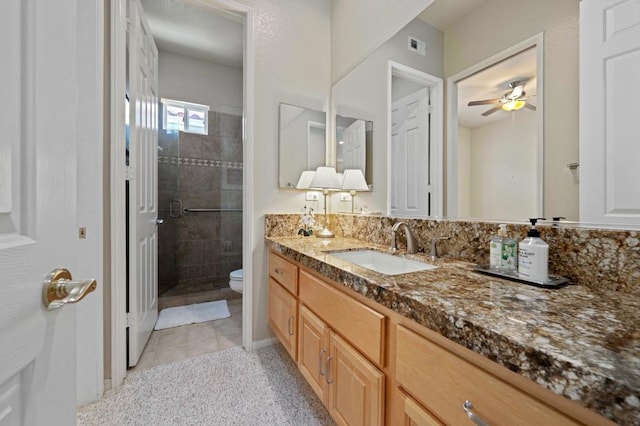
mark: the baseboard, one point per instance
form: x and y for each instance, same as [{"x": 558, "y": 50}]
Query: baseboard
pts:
[{"x": 264, "y": 343}]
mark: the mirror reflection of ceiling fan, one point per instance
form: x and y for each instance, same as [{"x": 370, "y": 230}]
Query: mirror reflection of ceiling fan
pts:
[{"x": 512, "y": 100}]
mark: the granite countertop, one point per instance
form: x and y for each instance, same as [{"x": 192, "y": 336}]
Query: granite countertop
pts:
[{"x": 581, "y": 344}]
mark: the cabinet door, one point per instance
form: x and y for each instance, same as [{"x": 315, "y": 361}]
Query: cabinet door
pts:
[
  {"x": 413, "y": 414},
  {"x": 283, "y": 316},
  {"x": 356, "y": 387},
  {"x": 313, "y": 351}
]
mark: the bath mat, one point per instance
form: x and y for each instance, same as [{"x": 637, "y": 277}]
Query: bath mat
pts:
[{"x": 190, "y": 314}]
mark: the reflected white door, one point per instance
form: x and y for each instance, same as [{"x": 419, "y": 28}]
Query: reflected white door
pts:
[
  {"x": 143, "y": 188},
  {"x": 609, "y": 111},
  {"x": 410, "y": 185},
  {"x": 354, "y": 147},
  {"x": 38, "y": 230}
]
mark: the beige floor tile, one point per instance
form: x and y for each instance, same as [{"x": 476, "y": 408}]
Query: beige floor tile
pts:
[
  {"x": 147, "y": 360},
  {"x": 171, "y": 354},
  {"x": 201, "y": 348},
  {"x": 178, "y": 338},
  {"x": 229, "y": 341},
  {"x": 200, "y": 334}
]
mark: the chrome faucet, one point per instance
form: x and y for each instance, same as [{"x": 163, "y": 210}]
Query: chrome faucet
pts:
[
  {"x": 434, "y": 248},
  {"x": 411, "y": 240}
]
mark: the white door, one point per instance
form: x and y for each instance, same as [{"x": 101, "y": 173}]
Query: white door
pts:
[
  {"x": 354, "y": 147},
  {"x": 38, "y": 229},
  {"x": 609, "y": 111},
  {"x": 410, "y": 189},
  {"x": 143, "y": 184}
]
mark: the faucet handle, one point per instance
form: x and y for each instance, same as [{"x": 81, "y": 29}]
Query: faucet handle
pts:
[{"x": 434, "y": 247}]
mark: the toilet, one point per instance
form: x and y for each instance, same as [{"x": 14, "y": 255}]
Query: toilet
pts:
[{"x": 235, "y": 280}]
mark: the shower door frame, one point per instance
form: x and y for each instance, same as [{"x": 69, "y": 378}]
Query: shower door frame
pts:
[{"x": 118, "y": 321}]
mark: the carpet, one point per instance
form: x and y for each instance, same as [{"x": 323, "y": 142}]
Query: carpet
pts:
[
  {"x": 230, "y": 387},
  {"x": 191, "y": 314}
]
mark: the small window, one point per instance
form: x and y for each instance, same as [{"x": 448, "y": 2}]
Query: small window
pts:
[{"x": 185, "y": 116}]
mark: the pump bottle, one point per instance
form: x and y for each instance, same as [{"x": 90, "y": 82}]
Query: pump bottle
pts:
[{"x": 533, "y": 256}]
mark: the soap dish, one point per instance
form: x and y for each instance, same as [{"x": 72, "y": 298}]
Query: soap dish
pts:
[{"x": 554, "y": 281}]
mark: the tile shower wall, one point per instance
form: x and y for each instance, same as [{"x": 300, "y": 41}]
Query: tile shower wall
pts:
[{"x": 197, "y": 251}]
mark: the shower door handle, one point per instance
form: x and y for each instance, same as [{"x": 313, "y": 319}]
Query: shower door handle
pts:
[
  {"x": 159, "y": 221},
  {"x": 172, "y": 209}
]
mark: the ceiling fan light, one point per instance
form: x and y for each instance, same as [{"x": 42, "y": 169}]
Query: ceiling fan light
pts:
[{"x": 513, "y": 105}]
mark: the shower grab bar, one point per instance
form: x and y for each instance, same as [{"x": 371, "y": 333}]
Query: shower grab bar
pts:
[{"x": 211, "y": 210}]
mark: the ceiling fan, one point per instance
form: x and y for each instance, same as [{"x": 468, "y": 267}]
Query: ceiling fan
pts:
[{"x": 512, "y": 100}]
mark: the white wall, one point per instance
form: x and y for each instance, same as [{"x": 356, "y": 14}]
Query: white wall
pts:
[
  {"x": 464, "y": 171},
  {"x": 363, "y": 93},
  {"x": 503, "y": 167},
  {"x": 292, "y": 65},
  {"x": 195, "y": 80},
  {"x": 499, "y": 24},
  {"x": 358, "y": 27}
]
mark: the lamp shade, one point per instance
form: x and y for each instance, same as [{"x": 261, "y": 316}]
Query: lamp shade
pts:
[
  {"x": 354, "y": 181},
  {"x": 305, "y": 179},
  {"x": 325, "y": 178}
]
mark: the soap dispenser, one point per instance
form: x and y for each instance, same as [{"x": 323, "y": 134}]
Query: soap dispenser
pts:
[
  {"x": 533, "y": 256},
  {"x": 495, "y": 248},
  {"x": 509, "y": 251}
]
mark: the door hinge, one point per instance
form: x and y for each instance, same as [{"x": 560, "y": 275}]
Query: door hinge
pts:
[
  {"x": 130, "y": 173},
  {"x": 429, "y": 109},
  {"x": 131, "y": 320}
]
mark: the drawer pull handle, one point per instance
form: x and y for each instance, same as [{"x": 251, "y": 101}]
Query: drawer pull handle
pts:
[
  {"x": 327, "y": 371},
  {"x": 467, "y": 407},
  {"x": 289, "y": 328},
  {"x": 278, "y": 271},
  {"x": 322, "y": 373}
]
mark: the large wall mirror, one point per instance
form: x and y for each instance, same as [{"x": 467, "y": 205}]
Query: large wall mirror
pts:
[
  {"x": 541, "y": 181},
  {"x": 302, "y": 143}
]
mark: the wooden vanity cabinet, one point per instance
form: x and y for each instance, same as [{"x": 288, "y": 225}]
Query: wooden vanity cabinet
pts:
[
  {"x": 351, "y": 386},
  {"x": 411, "y": 413},
  {"x": 442, "y": 382},
  {"x": 283, "y": 303}
]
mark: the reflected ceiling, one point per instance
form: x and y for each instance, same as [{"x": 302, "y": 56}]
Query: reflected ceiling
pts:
[{"x": 196, "y": 32}]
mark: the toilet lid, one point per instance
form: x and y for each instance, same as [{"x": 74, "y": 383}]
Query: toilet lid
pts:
[{"x": 236, "y": 275}]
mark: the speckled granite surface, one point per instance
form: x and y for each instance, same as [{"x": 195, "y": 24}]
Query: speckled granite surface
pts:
[
  {"x": 581, "y": 343},
  {"x": 601, "y": 259}
]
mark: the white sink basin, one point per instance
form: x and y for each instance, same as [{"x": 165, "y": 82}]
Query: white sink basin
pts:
[{"x": 384, "y": 263}]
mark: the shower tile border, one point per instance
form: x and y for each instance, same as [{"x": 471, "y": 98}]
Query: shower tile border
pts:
[{"x": 188, "y": 161}]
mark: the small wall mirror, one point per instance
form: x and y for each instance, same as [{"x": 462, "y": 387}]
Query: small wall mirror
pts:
[
  {"x": 354, "y": 139},
  {"x": 302, "y": 142}
]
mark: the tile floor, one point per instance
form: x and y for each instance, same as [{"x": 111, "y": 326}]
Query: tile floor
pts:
[{"x": 178, "y": 343}]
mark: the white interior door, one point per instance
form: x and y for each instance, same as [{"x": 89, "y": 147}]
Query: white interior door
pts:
[
  {"x": 609, "y": 111},
  {"x": 38, "y": 229},
  {"x": 354, "y": 147},
  {"x": 410, "y": 183},
  {"x": 143, "y": 187}
]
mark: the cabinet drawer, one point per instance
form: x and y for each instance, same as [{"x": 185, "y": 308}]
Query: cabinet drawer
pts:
[
  {"x": 283, "y": 271},
  {"x": 411, "y": 413},
  {"x": 442, "y": 382},
  {"x": 360, "y": 325}
]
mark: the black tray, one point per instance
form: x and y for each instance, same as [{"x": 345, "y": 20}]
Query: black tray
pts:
[{"x": 554, "y": 281}]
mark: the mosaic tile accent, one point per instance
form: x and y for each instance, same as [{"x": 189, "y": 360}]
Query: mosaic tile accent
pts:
[{"x": 186, "y": 161}]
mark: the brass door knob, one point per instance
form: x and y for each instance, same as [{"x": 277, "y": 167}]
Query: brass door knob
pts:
[{"x": 58, "y": 289}]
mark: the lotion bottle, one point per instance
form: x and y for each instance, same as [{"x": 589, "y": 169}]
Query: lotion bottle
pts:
[
  {"x": 495, "y": 249},
  {"x": 533, "y": 256},
  {"x": 509, "y": 251}
]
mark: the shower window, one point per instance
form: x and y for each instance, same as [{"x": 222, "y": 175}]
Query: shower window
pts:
[{"x": 185, "y": 116}]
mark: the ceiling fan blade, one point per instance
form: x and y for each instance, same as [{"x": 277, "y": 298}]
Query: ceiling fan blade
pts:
[
  {"x": 531, "y": 107},
  {"x": 492, "y": 110},
  {"x": 484, "y": 102}
]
